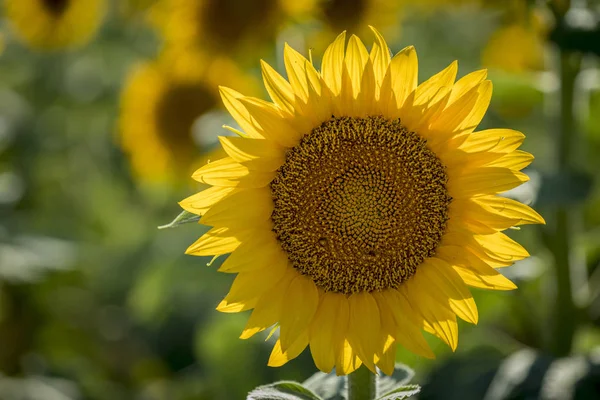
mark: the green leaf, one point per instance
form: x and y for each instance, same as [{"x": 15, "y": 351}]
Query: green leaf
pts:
[
  {"x": 185, "y": 217},
  {"x": 284, "y": 390},
  {"x": 401, "y": 376},
  {"x": 403, "y": 392},
  {"x": 328, "y": 386}
]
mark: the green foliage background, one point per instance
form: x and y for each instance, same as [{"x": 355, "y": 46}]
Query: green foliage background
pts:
[{"x": 96, "y": 303}]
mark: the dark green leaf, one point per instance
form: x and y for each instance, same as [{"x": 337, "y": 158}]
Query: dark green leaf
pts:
[
  {"x": 403, "y": 392},
  {"x": 284, "y": 390},
  {"x": 185, "y": 217},
  {"x": 401, "y": 376},
  {"x": 328, "y": 386}
]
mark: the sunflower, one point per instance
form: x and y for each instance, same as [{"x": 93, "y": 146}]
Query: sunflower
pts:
[
  {"x": 517, "y": 46},
  {"x": 358, "y": 206},
  {"x": 159, "y": 106},
  {"x": 353, "y": 15},
  {"x": 221, "y": 25},
  {"x": 55, "y": 24}
]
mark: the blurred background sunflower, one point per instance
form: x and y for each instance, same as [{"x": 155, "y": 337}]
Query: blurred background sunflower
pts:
[
  {"x": 225, "y": 26},
  {"x": 105, "y": 108},
  {"x": 54, "y": 24},
  {"x": 161, "y": 105}
]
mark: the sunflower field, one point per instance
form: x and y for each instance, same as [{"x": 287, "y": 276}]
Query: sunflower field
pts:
[{"x": 299, "y": 199}]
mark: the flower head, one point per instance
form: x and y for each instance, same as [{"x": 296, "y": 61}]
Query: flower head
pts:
[{"x": 358, "y": 206}]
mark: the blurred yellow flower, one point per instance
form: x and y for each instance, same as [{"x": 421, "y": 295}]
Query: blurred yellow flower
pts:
[
  {"x": 356, "y": 16},
  {"x": 518, "y": 44},
  {"x": 55, "y": 24},
  {"x": 514, "y": 48},
  {"x": 159, "y": 105},
  {"x": 358, "y": 206},
  {"x": 220, "y": 25}
]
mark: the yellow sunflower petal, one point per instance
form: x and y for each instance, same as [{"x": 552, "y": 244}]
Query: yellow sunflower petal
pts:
[
  {"x": 493, "y": 140},
  {"x": 226, "y": 172},
  {"x": 216, "y": 241},
  {"x": 466, "y": 83},
  {"x": 479, "y": 219},
  {"x": 491, "y": 279},
  {"x": 387, "y": 356},
  {"x": 252, "y": 284},
  {"x": 333, "y": 64},
  {"x": 447, "y": 282},
  {"x": 346, "y": 360},
  {"x": 328, "y": 329},
  {"x": 486, "y": 180},
  {"x": 355, "y": 61},
  {"x": 387, "y": 360},
  {"x": 268, "y": 309},
  {"x": 295, "y": 64},
  {"x": 368, "y": 86},
  {"x": 428, "y": 91},
  {"x": 299, "y": 307},
  {"x": 256, "y": 154},
  {"x": 403, "y": 75},
  {"x": 408, "y": 332},
  {"x": 441, "y": 318},
  {"x": 247, "y": 257},
  {"x": 269, "y": 122},
  {"x": 236, "y": 306},
  {"x": 232, "y": 211},
  {"x": 476, "y": 115},
  {"x": 279, "y": 357},
  {"x": 319, "y": 107},
  {"x": 457, "y": 237},
  {"x": 454, "y": 115},
  {"x": 472, "y": 270},
  {"x": 200, "y": 202},
  {"x": 278, "y": 88},
  {"x": 515, "y": 161},
  {"x": 500, "y": 244},
  {"x": 511, "y": 208},
  {"x": 388, "y": 324},
  {"x": 364, "y": 327},
  {"x": 231, "y": 101},
  {"x": 380, "y": 56}
]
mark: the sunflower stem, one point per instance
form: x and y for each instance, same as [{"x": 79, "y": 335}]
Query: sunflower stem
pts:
[
  {"x": 564, "y": 321},
  {"x": 362, "y": 384}
]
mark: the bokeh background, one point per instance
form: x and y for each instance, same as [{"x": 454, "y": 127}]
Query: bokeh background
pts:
[{"x": 106, "y": 107}]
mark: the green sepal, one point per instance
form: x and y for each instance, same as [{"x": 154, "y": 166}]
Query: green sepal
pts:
[
  {"x": 185, "y": 217},
  {"x": 283, "y": 390}
]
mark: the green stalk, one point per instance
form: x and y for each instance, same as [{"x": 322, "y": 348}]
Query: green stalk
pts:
[
  {"x": 565, "y": 317},
  {"x": 362, "y": 385}
]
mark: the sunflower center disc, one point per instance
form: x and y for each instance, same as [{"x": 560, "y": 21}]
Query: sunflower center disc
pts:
[
  {"x": 56, "y": 6},
  {"x": 359, "y": 203}
]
